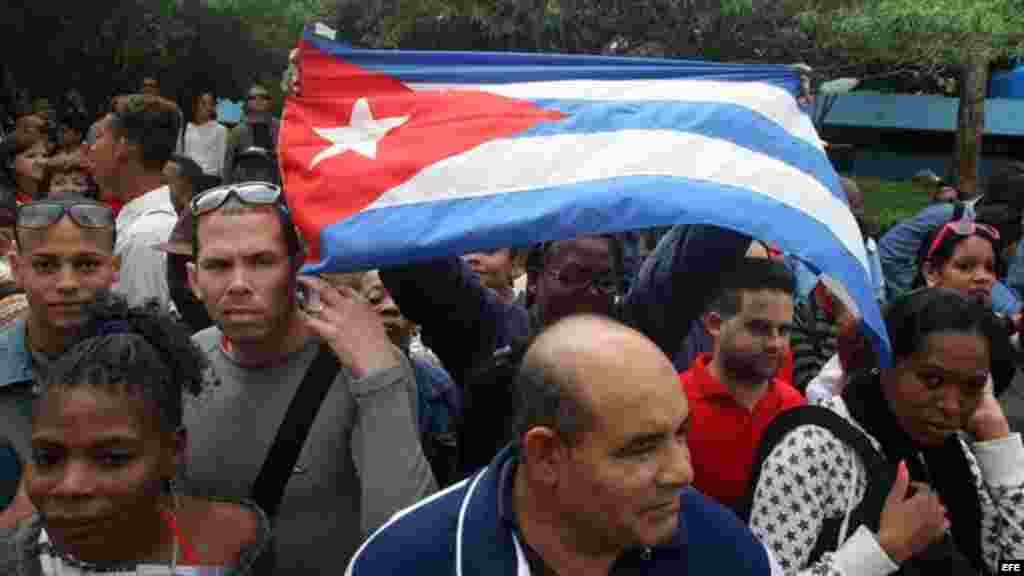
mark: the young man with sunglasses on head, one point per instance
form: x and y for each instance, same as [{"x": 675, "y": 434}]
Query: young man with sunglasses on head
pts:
[
  {"x": 259, "y": 129},
  {"x": 358, "y": 460},
  {"x": 64, "y": 258},
  {"x": 133, "y": 143}
]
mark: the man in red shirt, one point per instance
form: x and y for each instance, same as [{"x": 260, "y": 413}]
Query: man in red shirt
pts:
[{"x": 735, "y": 391}]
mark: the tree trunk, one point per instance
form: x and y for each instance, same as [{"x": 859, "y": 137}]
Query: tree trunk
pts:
[{"x": 970, "y": 125}]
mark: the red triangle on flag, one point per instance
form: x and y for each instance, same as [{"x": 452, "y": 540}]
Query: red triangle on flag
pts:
[{"x": 354, "y": 134}]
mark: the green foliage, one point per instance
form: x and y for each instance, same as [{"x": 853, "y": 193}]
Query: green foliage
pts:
[
  {"x": 276, "y": 24},
  {"x": 512, "y": 24},
  {"x": 889, "y": 201},
  {"x": 760, "y": 30},
  {"x": 406, "y": 13},
  {"x": 734, "y": 8},
  {"x": 105, "y": 47},
  {"x": 917, "y": 31}
]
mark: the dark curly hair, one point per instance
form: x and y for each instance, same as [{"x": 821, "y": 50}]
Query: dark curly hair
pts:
[{"x": 133, "y": 350}]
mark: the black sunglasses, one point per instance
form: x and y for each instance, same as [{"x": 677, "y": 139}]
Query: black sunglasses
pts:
[
  {"x": 259, "y": 193},
  {"x": 43, "y": 214}
]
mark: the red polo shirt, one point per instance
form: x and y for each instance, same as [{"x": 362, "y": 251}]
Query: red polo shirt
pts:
[{"x": 724, "y": 435}]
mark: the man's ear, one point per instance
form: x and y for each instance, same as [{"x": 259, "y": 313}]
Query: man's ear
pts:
[
  {"x": 190, "y": 267},
  {"x": 712, "y": 322},
  {"x": 124, "y": 150},
  {"x": 932, "y": 275},
  {"x": 115, "y": 263},
  {"x": 544, "y": 453},
  {"x": 17, "y": 262},
  {"x": 519, "y": 263}
]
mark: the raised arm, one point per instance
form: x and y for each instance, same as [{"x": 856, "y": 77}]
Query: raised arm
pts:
[
  {"x": 385, "y": 441},
  {"x": 462, "y": 321},
  {"x": 677, "y": 281}
]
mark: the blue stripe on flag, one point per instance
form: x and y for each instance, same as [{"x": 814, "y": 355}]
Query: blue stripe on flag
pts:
[
  {"x": 442, "y": 228},
  {"x": 414, "y": 66},
  {"x": 733, "y": 123}
]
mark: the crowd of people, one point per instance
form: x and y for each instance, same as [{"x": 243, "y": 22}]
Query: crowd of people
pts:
[{"x": 175, "y": 395}]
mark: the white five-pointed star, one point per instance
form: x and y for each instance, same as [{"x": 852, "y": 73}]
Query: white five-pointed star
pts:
[{"x": 361, "y": 135}]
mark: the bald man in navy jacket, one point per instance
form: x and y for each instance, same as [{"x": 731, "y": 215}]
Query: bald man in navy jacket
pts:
[{"x": 597, "y": 481}]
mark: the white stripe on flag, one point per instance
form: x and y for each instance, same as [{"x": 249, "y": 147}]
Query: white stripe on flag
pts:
[
  {"x": 770, "y": 101},
  {"x": 507, "y": 166}
]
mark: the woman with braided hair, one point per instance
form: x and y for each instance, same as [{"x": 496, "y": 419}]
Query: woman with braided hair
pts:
[{"x": 107, "y": 442}]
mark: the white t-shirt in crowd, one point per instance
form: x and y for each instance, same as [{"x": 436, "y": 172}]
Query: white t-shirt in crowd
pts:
[
  {"x": 141, "y": 224},
  {"x": 206, "y": 144}
]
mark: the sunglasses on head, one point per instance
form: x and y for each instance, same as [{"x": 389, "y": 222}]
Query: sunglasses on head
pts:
[
  {"x": 258, "y": 193},
  {"x": 43, "y": 214},
  {"x": 259, "y": 96},
  {"x": 961, "y": 228}
]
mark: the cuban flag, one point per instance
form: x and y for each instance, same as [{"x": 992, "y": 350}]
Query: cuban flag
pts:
[{"x": 392, "y": 156}]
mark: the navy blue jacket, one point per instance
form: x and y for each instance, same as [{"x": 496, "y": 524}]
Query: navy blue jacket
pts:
[{"x": 460, "y": 532}]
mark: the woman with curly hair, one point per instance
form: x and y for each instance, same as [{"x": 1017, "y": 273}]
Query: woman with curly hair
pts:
[{"x": 107, "y": 442}]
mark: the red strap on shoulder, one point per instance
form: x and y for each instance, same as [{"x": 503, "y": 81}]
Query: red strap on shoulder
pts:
[{"x": 187, "y": 550}]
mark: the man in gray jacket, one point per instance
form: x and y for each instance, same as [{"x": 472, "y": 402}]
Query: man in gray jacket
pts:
[{"x": 361, "y": 460}]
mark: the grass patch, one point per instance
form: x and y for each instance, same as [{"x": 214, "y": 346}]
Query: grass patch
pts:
[{"x": 891, "y": 201}]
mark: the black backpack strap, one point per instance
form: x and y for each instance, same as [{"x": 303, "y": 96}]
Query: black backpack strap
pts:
[
  {"x": 268, "y": 489},
  {"x": 809, "y": 415},
  {"x": 845, "y": 432}
]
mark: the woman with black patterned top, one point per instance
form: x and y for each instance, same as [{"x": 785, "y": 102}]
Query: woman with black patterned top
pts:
[{"x": 950, "y": 473}]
